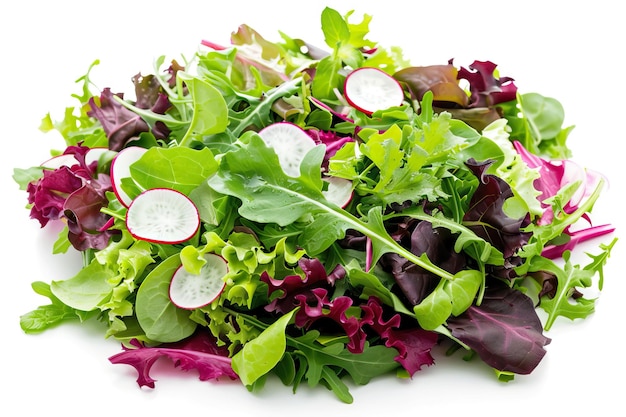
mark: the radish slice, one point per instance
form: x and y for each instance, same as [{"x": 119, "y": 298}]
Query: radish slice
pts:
[
  {"x": 339, "y": 191},
  {"x": 58, "y": 161},
  {"x": 120, "y": 168},
  {"x": 68, "y": 160},
  {"x": 94, "y": 154},
  {"x": 370, "y": 89},
  {"x": 190, "y": 291},
  {"x": 290, "y": 143},
  {"x": 162, "y": 215}
]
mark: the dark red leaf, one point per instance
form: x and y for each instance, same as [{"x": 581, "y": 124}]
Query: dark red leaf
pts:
[
  {"x": 486, "y": 216},
  {"x": 504, "y": 331}
]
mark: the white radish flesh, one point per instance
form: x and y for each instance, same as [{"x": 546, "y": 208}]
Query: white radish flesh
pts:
[
  {"x": 339, "y": 191},
  {"x": 162, "y": 215},
  {"x": 370, "y": 89},
  {"x": 120, "y": 168},
  {"x": 290, "y": 143},
  {"x": 190, "y": 291}
]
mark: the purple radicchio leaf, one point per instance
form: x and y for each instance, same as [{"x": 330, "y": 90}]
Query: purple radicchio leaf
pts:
[
  {"x": 554, "y": 175},
  {"x": 504, "y": 331}
]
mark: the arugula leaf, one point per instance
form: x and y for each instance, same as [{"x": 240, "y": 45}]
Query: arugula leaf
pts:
[
  {"x": 567, "y": 300},
  {"x": 323, "y": 363},
  {"x": 252, "y": 174}
]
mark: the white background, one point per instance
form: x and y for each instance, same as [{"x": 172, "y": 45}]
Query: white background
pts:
[{"x": 572, "y": 51}]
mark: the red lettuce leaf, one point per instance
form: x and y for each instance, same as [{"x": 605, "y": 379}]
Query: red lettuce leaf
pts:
[
  {"x": 119, "y": 123},
  {"x": 316, "y": 306},
  {"x": 441, "y": 80},
  {"x": 421, "y": 238},
  {"x": 486, "y": 216},
  {"x": 75, "y": 194},
  {"x": 199, "y": 352},
  {"x": 48, "y": 194},
  {"x": 414, "y": 345},
  {"x": 283, "y": 292},
  {"x": 486, "y": 90},
  {"x": 150, "y": 95},
  {"x": 504, "y": 331}
]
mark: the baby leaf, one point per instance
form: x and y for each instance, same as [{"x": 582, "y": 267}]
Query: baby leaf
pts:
[{"x": 261, "y": 354}]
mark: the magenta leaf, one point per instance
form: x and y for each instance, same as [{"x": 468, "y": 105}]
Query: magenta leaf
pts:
[
  {"x": 317, "y": 306},
  {"x": 487, "y": 90},
  {"x": 504, "y": 331},
  {"x": 576, "y": 237},
  {"x": 554, "y": 175},
  {"x": 414, "y": 345},
  {"x": 198, "y": 352},
  {"x": 283, "y": 292}
]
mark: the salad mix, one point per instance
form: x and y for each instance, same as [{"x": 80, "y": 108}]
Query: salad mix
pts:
[{"x": 317, "y": 213}]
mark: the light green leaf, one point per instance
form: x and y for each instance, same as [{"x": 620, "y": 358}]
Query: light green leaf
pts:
[
  {"x": 88, "y": 289},
  {"x": 179, "y": 168},
  {"x": 261, "y": 354},
  {"x": 335, "y": 28},
  {"x": 433, "y": 310},
  {"x": 462, "y": 289},
  {"x": 161, "y": 320},
  {"x": 210, "y": 115}
]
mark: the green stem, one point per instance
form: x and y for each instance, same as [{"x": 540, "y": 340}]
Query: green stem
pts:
[
  {"x": 112, "y": 213},
  {"x": 360, "y": 226}
]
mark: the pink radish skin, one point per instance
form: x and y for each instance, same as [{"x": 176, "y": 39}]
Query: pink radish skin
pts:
[
  {"x": 162, "y": 215},
  {"x": 290, "y": 143},
  {"x": 190, "y": 291},
  {"x": 120, "y": 168},
  {"x": 371, "y": 89}
]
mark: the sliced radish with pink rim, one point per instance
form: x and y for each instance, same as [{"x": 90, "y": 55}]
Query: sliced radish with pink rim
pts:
[
  {"x": 68, "y": 160},
  {"x": 58, "y": 161},
  {"x": 190, "y": 291},
  {"x": 371, "y": 89},
  {"x": 94, "y": 154},
  {"x": 339, "y": 191},
  {"x": 162, "y": 215},
  {"x": 120, "y": 168},
  {"x": 290, "y": 143}
]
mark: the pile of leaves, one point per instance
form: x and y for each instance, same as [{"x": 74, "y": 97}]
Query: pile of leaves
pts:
[{"x": 465, "y": 208}]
